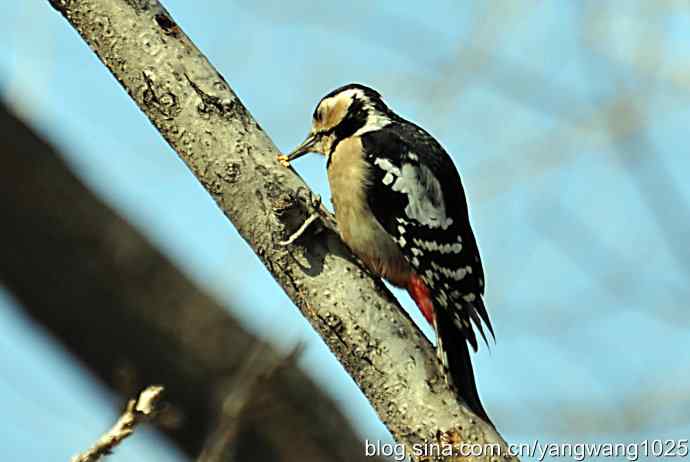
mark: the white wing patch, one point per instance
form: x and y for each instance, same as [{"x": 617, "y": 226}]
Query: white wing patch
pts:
[
  {"x": 387, "y": 166},
  {"x": 425, "y": 198},
  {"x": 433, "y": 246},
  {"x": 456, "y": 275}
]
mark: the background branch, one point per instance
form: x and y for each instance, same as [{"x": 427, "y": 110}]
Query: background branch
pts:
[{"x": 132, "y": 318}]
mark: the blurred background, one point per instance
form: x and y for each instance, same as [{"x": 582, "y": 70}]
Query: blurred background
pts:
[{"x": 567, "y": 120}]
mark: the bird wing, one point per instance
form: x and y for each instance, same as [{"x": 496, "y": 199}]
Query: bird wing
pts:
[{"x": 416, "y": 194}]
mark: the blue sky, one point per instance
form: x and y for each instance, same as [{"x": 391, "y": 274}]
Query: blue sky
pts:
[{"x": 568, "y": 122}]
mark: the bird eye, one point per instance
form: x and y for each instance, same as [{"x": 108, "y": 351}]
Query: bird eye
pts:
[{"x": 318, "y": 115}]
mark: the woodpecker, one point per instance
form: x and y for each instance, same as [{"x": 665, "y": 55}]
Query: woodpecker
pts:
[{"x": 401, "y": 208}]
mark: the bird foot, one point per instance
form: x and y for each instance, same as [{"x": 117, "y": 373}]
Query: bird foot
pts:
[{"x": 315, "y": 210}]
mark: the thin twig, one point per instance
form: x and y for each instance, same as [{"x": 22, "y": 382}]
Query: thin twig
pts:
[{"x": 137, "y": 411}]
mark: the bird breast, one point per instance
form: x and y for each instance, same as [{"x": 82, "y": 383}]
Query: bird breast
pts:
[{"x": 348, "y": 176}]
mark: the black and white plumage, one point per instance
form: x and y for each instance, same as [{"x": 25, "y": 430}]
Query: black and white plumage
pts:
[
  {"x": 414, "y": 175},
  {"x": 401, "y": 207}
]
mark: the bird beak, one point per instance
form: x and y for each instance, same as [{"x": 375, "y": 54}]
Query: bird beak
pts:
[{"x": 307, "y": 146}]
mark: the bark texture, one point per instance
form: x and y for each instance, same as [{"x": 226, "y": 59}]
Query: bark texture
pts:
[
  {"x": 133, "y": 319},
  {"x": 206, "y": 124}
]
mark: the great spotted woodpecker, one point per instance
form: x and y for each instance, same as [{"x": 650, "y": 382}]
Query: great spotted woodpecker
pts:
[{"x": 400, "y": 207}]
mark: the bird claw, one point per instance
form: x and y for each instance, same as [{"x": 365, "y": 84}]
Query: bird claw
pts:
[
  {"x": 294, "y": 236},
  {"x": 315, "y": 204},
  {"x": 314, "y": 208},
  {"x": 313, "y": 201}
]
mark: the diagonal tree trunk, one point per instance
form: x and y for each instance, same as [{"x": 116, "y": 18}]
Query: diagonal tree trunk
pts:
[
  {"x": 203, "y": 120},
  {"x": 133, "y": 319}
]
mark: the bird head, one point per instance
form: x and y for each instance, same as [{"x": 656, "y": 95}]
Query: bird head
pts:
[{"x": 351, "y": 110}]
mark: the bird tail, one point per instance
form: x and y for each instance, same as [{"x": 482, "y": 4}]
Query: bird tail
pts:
[{"x": 453, "y": 351}]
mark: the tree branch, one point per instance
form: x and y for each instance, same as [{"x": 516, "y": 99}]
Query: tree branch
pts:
[
  {"x": 203, "y": 120},
  {"x": 137, "y": 411}
]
